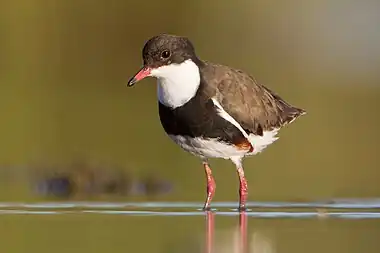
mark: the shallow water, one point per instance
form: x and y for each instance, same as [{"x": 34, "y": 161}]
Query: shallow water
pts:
[
  {"x": 345, "y": 208},
  {"x": 330, "y": 226}
]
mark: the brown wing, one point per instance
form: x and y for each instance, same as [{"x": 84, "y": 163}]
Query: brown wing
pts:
[{"x": 252, "y": 105}]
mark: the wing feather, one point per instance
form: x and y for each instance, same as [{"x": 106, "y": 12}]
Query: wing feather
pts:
[{"x": 255, "y": 107}]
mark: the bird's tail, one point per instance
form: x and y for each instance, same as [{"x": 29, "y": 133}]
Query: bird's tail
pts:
[{"x": 288, "y": 112}]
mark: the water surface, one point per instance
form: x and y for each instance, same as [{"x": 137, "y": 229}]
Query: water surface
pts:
[{"x": 328, "y": 226}]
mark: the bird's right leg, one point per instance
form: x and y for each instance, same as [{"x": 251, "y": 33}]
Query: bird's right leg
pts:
[
  {"x": 243, "y": 189},
  {"x": 211, "y": 185}
]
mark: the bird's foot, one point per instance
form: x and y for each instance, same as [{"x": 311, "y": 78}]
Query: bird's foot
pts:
[{"x": 242, "y": 208}]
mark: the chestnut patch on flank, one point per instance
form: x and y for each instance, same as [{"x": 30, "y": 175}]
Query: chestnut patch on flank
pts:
[{"x": 244, "y": 145}]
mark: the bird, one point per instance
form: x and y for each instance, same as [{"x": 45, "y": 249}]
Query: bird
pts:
[{"x": 212, "y": 110}]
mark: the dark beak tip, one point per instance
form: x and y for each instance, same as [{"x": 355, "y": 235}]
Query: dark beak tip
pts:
[{"x": 131, "y": 82}]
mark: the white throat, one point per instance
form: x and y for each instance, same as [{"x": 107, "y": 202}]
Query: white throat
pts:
[{"x": 177, "y": 83}]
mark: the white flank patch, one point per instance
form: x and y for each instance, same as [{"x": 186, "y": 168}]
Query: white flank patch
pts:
[
  {"x": 177, "y": 83},
  {"x": 259, "y": 143}
]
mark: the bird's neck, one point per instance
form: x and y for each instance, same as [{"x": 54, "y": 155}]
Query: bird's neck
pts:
[{"x": 178, "y": 83}]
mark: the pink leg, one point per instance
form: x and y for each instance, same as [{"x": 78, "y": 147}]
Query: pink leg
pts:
[
  {"x": 210, "y": 186},
  {"x": 243, "y": 190}
]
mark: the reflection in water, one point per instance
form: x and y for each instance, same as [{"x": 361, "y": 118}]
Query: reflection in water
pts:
[
  {"x": 269, "y": 231},
  {"x": 210, "y": 227},
  {"x": 243, "y": 232},
  {"x": 261, "y": 244},
  {"x": 236, "y": 241}
]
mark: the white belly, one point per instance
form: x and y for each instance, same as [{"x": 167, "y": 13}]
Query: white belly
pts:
[
  {"x": 211, "y": 148},
  {"x": 207, "y": 148}
]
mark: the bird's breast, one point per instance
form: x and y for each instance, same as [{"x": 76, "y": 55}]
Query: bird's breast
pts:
[{"x": 199, "y": 120}]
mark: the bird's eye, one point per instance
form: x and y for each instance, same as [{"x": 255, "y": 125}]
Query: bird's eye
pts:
[{"x": 165, "y": 54}]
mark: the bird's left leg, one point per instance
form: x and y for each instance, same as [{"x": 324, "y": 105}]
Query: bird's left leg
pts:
[
  {"x": 210, "y": 185},
  {"x": 243, "y": 189}
]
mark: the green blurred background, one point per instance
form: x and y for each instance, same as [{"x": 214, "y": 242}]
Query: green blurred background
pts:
[{"x": 64, "y": 66}]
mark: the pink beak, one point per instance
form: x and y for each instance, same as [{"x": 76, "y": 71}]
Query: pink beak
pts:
[{"x": 144, "y": 72}]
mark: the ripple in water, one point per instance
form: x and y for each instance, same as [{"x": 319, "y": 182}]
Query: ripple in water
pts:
[{"x": 347, "y": 209}]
